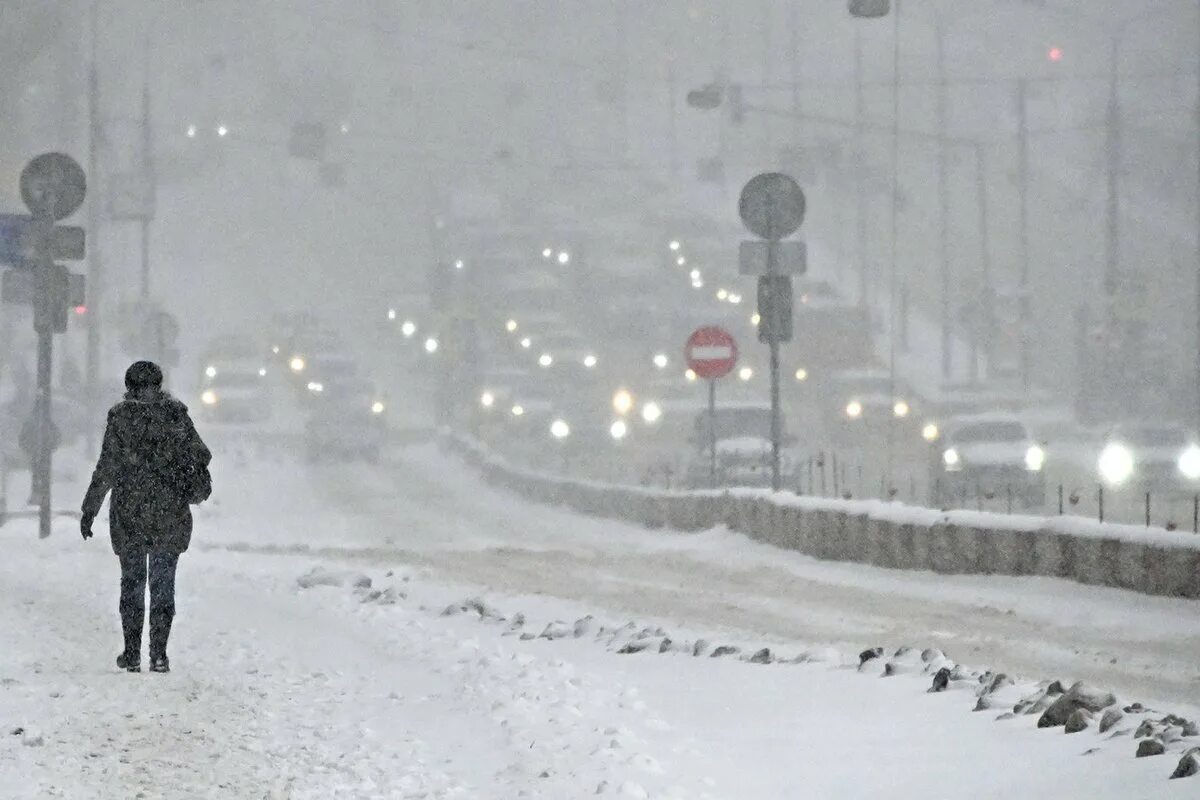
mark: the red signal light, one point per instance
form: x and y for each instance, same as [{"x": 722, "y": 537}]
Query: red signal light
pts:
[
  {"x": 1055, "y": 54},
  {"x": 80, "y": 310}
]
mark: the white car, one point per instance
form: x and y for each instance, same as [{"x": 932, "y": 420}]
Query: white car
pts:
[
  {"x": 1150, "y": 456},
  {"x": 987, "y": 455}
]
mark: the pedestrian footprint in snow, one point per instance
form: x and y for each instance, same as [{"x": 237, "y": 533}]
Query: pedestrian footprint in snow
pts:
[{"x": 156, "y": 465}]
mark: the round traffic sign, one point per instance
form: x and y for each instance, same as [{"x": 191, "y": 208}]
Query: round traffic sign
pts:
[
  {"x": 772, "y": 205},
  {"x": 711, "y": 352},
  {"x": 53, "y": 185}
]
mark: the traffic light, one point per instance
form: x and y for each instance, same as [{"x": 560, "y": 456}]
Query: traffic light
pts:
[{"x": 775, "y": 308}]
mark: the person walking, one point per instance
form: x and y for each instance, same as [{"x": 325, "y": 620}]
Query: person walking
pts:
[{"x": 156, "y": 465}]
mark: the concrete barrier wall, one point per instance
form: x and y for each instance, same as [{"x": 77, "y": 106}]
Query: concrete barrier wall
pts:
[{"x": 1148, "y": 560}]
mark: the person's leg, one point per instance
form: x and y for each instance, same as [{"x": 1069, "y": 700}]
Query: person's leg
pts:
[
  {"x": 162, "y": 601},
  {"x": 133, "y": 600}
]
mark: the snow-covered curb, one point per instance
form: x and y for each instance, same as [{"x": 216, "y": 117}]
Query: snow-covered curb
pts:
[{"x": 1148, "y": 560}]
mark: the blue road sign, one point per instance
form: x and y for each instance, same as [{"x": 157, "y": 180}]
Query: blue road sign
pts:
[
  {"x": 18, "y": 240},
  {"x": 14, "y": 231}
]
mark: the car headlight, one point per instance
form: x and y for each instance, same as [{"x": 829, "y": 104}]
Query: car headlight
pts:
[
  {"x": 377, "y": 407},
  {"x": 651, "y": 413},
  {"x": 930, "y": 433},
  {"x": 297, "y": 364},
  {"x": 1035, "y": 459},
  {"x": 900, "y": 408},
  {"x": 1116, "y": 464},
  {"x": 1189, "y": 462},
  {"x": 952, "y": 459},
  {"x": 314, "y": 386},
  {"x": 622, "y": 402},
  {"x": 208, "y": 397},
  {"x": 854, "y": 409}
]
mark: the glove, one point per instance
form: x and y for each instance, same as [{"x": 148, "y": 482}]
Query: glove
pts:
[{"x": 85, "y": 526}]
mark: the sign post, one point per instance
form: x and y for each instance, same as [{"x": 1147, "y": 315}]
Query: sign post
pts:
[
  {"x": 52, "y": 187},
  {"x": 772, "y": 206},
  {"x": 711, "y": 353}
]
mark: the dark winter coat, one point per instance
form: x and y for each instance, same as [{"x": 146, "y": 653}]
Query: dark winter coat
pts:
[{"x": 149, "y": 445}]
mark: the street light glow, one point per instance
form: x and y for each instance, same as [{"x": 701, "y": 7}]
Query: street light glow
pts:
[
  {"x": 694, "y": 274},
  {"x": 210, "y": 371},
  {"x": 391, "y": 313},
  {"x": 191, "y": 131},
  {"x": 297, "y": 364},
  {"x": 681, "y": 261},
  {"x": 547, "y": 252},
  {"x": 458, "y": 264},
  {"x": 518, "y": 411},
  {"x": 408, "y": 329},
  {"x": 589, "y": 361},
  {"x": 618, "y": 430},
  {"x": 431, "y": 345},
  {"x": 545, "y": 359},
  {"x": 222, "y": 130},
  {"x": 651, "y": 413},
  {"x": 722, "y": 294},
  {"x": 690, "y": 376},
  {"x": 564, "y": 257},
  {"x": 526, "y": 343},
  {"x": 802, "y": 374},
  {"x": 674, "y": 245},
  {"x": 559, "y": 429},
  {"x": 487, "y": 400},
  {"x": 745, "y": 373},
  {"x": 511, "y": 325},
  {"x": 660, "y": 360}
]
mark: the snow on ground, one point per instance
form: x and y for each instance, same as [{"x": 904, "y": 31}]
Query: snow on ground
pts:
[{"x": 284, "y": 690}]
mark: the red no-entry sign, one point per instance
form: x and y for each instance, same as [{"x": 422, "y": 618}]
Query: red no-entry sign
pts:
[{"x": 711, "y": 352}]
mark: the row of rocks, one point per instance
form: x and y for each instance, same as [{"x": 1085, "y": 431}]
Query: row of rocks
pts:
[{"x": 1075, "y": 708}]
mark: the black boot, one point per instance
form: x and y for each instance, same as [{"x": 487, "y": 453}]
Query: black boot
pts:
[
  {"x": 129, "y": 662},
  {"x": 160, "y": 664}
]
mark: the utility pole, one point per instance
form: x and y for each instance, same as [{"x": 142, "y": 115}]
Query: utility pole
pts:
[
  {"x": 95, "y": 267},
  {"x": 944, "y": 203},
  {"x": 1023, "y": 238},
  {"x": 673, "y": 89},
  {"x": 1197, "y": 310},
  {"x": 985, "y": 265},
  {"x": 1112, "y": 232},
  {"x": 860, "y": 115},
  {"x": 147, "y": 170}
]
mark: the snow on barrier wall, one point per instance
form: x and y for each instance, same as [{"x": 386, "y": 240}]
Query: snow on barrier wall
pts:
[{"x": 1148, "y": 560}]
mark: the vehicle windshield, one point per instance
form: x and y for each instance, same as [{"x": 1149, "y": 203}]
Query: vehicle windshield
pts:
[
  {"x": 335, "y": 368},
  {"x": 866, "y": 385},
  {"x": 997, "y": 431},
  {"x": 1155, "y": 435},
  {"x": 733, "y": 423},
  {"x": 235, "y": 380}
]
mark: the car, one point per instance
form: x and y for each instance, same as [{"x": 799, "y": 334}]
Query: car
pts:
[
  {"x": 233, "y": 380},
  {"x": 1152, "y": 456},
  {"x": 858, "y": 400},
  {"x": 326, "y": 371},
  {"x": 743, "y": 447},
  {"x": 346, "y": 420},
  {"x": 235, "y": 392},
  {"x": 988, "y": 455}
]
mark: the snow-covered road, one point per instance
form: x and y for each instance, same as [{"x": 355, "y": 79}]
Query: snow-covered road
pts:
[
  {"x": 288, "y": 692},
  {"x": 436, "y": 511}
]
